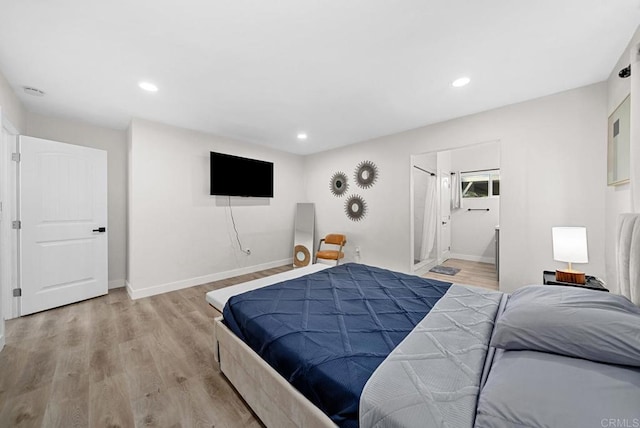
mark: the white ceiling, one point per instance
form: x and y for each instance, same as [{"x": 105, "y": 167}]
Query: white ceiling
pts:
[{"x": 341, "y": 70}]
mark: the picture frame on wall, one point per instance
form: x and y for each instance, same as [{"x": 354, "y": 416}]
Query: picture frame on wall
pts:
[{"x": 618, "y": 142}]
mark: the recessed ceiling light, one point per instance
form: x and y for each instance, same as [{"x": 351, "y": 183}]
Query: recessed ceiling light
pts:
[
  {"x": 302, "y": 136},
  {"x": 147, "y": 86},
  {"x": 463, "y": 81}
]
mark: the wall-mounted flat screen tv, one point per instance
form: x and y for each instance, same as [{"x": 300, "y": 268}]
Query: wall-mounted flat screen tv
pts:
[{"x": 238, "y": 176}]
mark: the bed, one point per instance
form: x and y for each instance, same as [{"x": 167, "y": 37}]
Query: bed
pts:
[{"x": 429, "y": 353}]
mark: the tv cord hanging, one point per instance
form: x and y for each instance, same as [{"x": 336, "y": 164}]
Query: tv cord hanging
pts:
[{"x": 247, "y": 252}]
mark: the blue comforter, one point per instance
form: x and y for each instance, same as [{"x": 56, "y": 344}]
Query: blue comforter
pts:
[{"x": 328, "y": 331}]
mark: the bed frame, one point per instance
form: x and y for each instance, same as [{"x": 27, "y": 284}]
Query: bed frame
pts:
[
  {"x": 270, "y": 396},
  {"x": 278, "y": 404},
  {"x": 628, "y": 256}
]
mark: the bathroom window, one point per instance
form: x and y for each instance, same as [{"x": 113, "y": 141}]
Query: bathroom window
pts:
[{"x": 480, "y": 184}]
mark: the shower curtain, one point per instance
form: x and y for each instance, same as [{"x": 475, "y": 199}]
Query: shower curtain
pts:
[{"x": 429, "y": 220}]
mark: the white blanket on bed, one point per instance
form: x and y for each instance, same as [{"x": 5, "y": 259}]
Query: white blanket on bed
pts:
[
  {"x": 218, "y": 298},
  {"x": 433, "y": 377}
]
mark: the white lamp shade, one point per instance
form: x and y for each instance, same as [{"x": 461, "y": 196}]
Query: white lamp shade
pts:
[{"x": 570, "y": 244}]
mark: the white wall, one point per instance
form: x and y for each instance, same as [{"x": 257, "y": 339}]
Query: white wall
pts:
[
  {"x": 5, "y": 230},
  {"x": 12, "y": 111},
  {"x": 180, "y": 236},
  {"x": 12, "y": 108},
  {"x": 473, "y": 232},
  {"x": 552, "y": 173},
  {"x": 618, "y": 198},
  {"x": 114, "y": 142}
]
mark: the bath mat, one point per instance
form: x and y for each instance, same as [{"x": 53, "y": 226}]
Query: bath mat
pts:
[{"x": 446, "y": 270}]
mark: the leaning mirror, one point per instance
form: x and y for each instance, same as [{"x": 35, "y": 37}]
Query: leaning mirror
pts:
[{"x": 303, "y": 237}]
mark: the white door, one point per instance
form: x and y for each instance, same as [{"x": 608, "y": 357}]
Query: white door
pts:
[
  {"x": 445, "y": 217},
  {"x": 63, "y": 213}
]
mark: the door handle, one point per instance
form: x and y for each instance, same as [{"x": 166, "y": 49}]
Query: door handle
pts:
[{"x": 100, "y": 229}]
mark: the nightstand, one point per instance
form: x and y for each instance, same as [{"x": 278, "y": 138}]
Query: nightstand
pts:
[{"x": 592, "y": 283}]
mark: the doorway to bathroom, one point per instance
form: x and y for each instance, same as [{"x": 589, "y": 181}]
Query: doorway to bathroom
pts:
[{"x": 456, "y": 206}]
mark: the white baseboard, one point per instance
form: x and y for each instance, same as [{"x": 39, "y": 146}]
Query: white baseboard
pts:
[
  {"x": 190, "y": 282},
  {"x": 424, "y": 266},
  {"x": 473, "y": 258},
  {"x": 129, "y": 290},
  {"x": 116, "y": 283}
]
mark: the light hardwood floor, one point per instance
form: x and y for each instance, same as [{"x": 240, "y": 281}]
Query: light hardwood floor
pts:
[
  {"x": 114, "y": 362},
  {"x": 471, "y": 273}
]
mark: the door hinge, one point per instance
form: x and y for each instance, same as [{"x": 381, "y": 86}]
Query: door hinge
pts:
[
  {"x": 17, "y": 292},
  {"x": 15, "y": 157},
  {"x": 16, "y": 224}
]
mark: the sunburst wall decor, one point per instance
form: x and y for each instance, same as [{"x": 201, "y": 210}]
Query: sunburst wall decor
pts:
[
  {"x": 355, "y": 207},
  {"x": 366, "y": 174},
  {"x": 338, "y": 184}
]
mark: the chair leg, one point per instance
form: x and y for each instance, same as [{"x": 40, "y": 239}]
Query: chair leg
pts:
[{"x": 317, "y": 251}]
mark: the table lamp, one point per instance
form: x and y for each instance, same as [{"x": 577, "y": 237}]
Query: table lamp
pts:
[{"x": 570, "y": 245}]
